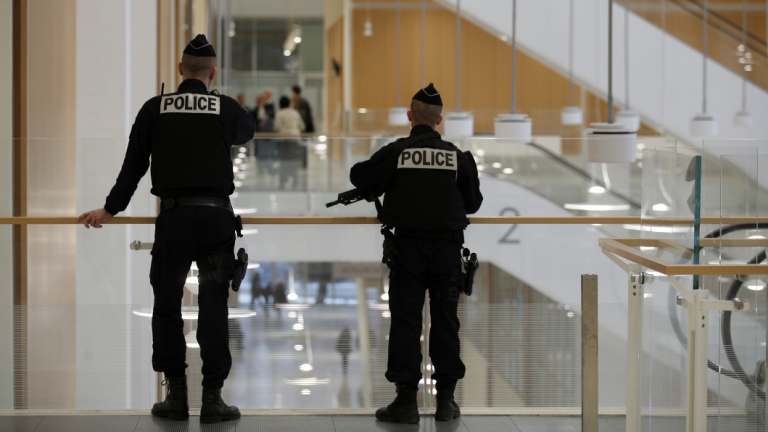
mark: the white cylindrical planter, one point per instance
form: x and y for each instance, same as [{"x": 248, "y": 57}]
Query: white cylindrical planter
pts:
[
  {"x": 571, "y": 116},
  {"x": 743, "y": 119},
  {"x": 459, "y": 124},
  {"x": 398, "y": 116},
  {"x": 704, "y": 126},
  {"x": 611, "y": 143},
  {"x": 629, "y": 119},
  {"x": 513, "y": 126}
]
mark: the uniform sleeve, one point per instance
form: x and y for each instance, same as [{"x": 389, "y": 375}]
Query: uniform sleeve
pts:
[
  {"x": 374, "y": 175},
  {"x": 469, "y": 183},
  {"x": 135, "y": 164},
  {"x": 239, "y": 123}
]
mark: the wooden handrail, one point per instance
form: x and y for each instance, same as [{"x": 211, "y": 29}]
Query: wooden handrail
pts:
[
  {"x": 626, "y": 248},
  {"x": 364, "y": 220}
]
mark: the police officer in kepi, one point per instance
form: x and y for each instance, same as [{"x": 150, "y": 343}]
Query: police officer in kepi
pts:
[
  {"x": 429, "y": 187},
  {"x": 187, "y": 135}
]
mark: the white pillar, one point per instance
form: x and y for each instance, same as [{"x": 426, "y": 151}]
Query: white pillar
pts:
[
  {"x": 346, "y": 67},
  {"x": 6, "y": 204},
  {"x": 116, "y": 74}
]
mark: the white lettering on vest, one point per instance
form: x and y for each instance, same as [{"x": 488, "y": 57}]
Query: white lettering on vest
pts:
[
  {"x": 190, "y": 103},
  {"x": 427, "y": 158}
]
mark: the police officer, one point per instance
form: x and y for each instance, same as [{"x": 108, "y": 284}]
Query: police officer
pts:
[
  {"x": 430, "y": 186},
  {"x": 187, "y": 135}
]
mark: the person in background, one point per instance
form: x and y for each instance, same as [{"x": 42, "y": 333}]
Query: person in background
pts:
[
  {"x": 288, "y": 124},
  {"x": 256, "y": 288},
  {"x": 241, "y": 100},
  {"x": 305, "y": 110},
  {"x": 264, "y": 112},
  {"x": 288, "y": 121},
  {"x": 344, "y": 348}
]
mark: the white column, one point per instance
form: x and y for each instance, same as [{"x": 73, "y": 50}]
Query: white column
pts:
[
  {"x": 116, "y": 73},
  {"x": 634, "y": 350},
  {"x": 6, "y": 204}
]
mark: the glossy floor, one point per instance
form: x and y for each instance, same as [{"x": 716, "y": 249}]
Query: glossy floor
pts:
[{"x": 337, "y": 423}]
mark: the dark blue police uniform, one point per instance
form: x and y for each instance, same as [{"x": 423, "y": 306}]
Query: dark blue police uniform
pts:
[
  {"x": 429, "y": 187},
  {"x": 187, "y": 135}
]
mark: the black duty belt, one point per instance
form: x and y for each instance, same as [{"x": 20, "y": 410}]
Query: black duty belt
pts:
[
  {"x": 457, "y": 235},
  {"x": 223, "y": 203}
]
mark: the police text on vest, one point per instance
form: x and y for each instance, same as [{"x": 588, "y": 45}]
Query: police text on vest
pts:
[
  {"x": 427, "y": 158},
  {"x": 190, "y": 103}
]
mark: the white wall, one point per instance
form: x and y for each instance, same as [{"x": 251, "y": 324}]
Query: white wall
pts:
[
  {"x": 542, "y": 32},
  {"x": 116, "y": 73},
  {"x": 6, "y": 204}
]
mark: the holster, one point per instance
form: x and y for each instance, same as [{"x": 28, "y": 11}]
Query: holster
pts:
[
  {"x": 389, "y": 249},
  {"x": 241, "y": 266},
  {"x": 469, "y": 266}
]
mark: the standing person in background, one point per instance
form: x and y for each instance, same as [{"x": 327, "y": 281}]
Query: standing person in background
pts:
[
  {"x": 288, "y": 121},
  {"x": 305, "y": 110},
  {"x": 186, "y": 137},
  {"x": 288, "y": 124},
  {"x": 264, "y": 112}
]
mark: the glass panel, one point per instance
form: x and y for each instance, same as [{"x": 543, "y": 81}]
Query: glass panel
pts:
[{"x": 520, "y": 330}]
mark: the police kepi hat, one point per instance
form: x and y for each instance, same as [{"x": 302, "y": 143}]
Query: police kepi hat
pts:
[
  {"x": 200, "y": 47},
  {"x": 429, "y": 95}
]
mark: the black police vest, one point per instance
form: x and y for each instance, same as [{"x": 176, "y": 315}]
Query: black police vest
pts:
[
  {"x": 189, "y": 155},
  {"x": 424, "y": 195}
]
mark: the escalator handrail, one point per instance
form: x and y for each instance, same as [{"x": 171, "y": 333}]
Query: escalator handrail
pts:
[{"x": 581, "y": 172}]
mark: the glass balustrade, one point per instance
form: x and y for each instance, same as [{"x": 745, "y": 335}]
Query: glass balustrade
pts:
[{"x": 311, "y": 330}]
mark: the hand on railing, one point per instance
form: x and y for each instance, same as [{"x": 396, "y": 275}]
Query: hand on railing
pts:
[{"x": 95, "y": 218}]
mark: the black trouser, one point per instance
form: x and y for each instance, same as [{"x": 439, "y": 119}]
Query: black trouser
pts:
[
  {"x": 425, "y": 265},
  {"x": 205, "y": 235}
]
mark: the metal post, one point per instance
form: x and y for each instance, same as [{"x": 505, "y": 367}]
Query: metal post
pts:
[
  {"x": 634, "y": 349},
  {"x": 514, "y": 56},
  {"x": 363, "y": 332},
  {"x": 744, "y": 44},
  {"x": 610, "y": 61},
  {"x": 458, "y": 55},
  {"x": 589, "y": 359},
  {"x": 626, "y": 57},
  {"x": 663, "y": 57},
  {"x": 397, "y": 53},
  {"x": 705, "y": 54},
  {"x": 696, "y": 418},
  {"x": 570, "y": 52},
  {"x": 346, "y": 69},
  {"x": 423, "y": 46},
  {"x": 697, "y": 217}
]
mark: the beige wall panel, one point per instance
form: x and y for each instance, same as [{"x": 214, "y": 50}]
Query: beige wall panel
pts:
[
  {"x": 51, "y": 186},
  {"x": 6, "y": 204},
  {"x": 486, "y": 71}
]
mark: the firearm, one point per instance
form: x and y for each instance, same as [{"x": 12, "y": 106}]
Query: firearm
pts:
[
  {"x": 241, "y": 265},
  {"x": 469, "y": 266},
  {"x": 346, "y": 198}
]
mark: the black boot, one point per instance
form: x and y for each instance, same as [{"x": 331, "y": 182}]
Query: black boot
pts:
[
  {"x": 447, "y": 408},
  {"x": 403, "y": 409},
  {"x": 214, "y": 410},
  {"x": 175, "y": 405}
]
